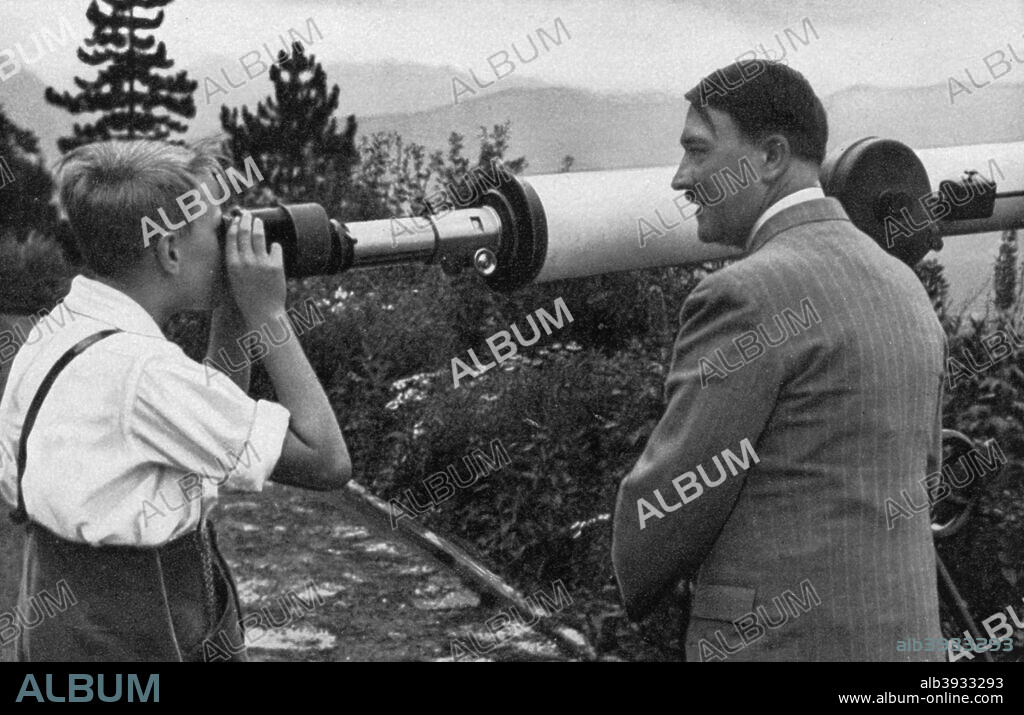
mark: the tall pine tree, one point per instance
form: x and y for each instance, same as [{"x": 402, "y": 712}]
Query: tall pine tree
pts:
[
  {"x": 294, "y": 137},
  {"x": 128, "y": 89}
]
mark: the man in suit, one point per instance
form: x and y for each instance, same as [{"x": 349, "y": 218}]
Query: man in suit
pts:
[{"x": 817, "y": 359}]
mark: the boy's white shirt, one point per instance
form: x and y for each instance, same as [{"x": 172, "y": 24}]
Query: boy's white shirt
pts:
[{"x": 134, "y": 437}]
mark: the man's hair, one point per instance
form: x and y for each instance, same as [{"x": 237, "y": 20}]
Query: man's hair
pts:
[
  {"x": 777, "y": 100},
  {"x": 106, "y": 188}
]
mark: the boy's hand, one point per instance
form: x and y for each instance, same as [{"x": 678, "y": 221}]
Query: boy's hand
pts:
[{"x": 256, "y": 275}]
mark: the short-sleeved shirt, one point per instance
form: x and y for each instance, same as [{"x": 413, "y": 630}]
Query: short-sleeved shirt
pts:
[{"x": 135, "y": 439}]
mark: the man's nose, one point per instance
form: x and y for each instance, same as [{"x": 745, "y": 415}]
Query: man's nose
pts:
[{"x": 683, "y": 180}]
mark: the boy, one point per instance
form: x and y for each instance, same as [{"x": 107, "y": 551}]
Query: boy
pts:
[{"x": 112, "y": 424}]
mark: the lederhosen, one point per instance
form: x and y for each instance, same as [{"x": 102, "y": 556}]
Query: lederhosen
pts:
[{"x": 130, "y": 603}]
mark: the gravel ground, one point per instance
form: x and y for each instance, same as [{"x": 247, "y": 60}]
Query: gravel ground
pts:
[{"x": 373, "y": 597}]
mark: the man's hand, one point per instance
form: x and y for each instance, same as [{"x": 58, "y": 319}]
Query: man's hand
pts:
[{"x": 256, "y": 275}]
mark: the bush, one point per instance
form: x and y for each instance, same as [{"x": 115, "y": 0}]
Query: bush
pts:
[
  {"x": 572, "y": 422},
  {"x": 986, "y": 559},
  {"x": 34, "y": 275}
]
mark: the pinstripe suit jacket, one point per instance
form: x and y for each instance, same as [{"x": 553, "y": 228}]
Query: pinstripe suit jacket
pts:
[{"x": 791, "y": 556}]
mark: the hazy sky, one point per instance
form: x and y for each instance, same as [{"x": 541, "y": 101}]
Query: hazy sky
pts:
[{"x": 614, "y": 46}]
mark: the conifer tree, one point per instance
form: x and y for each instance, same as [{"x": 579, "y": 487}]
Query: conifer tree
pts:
[
  {"x": 294, "y": 137},
  {"x": 26, "y": 188},
  {"x": 128, "y": 89}
]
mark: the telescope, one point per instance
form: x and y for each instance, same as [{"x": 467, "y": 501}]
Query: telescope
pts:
[{"x": 515, "y": 231}]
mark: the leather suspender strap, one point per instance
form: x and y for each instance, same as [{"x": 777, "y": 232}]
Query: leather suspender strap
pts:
[{"x": 19, "y": 515}]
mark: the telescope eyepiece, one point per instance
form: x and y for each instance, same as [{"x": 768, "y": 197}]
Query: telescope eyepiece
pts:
[{"x": 307, "y": 237}]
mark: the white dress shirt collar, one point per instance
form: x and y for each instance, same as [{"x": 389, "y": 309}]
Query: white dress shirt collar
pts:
[
  {"x": 108, "y": 305},
  {"x": 797, "y": 197}
]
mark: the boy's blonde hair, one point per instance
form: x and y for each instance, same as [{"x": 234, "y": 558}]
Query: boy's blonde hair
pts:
[{"x": 106, "y": 188}]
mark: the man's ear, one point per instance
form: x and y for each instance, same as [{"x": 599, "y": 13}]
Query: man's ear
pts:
[
  {"x": 168, "y": 252},
  {"x": 777, "y": 156}
]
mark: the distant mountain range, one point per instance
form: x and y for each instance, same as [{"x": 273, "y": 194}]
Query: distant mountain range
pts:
[{"x": 600, "y": 130}]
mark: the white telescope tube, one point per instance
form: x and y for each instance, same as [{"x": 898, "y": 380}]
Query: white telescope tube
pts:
[
  {"x": 570, "y": 225},
  {"x": 605, "y": 221},
  {"x": 594, "y": 218}
]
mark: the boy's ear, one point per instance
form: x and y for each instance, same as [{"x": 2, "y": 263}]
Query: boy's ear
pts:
[{"x": 168, "y": 252}]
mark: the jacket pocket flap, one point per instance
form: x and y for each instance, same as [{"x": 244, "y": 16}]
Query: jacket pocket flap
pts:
[{"x": 723, "y": 603}]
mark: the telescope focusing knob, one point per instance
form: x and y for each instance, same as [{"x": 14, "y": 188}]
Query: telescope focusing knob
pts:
[{"x": 485, "y": 262}]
